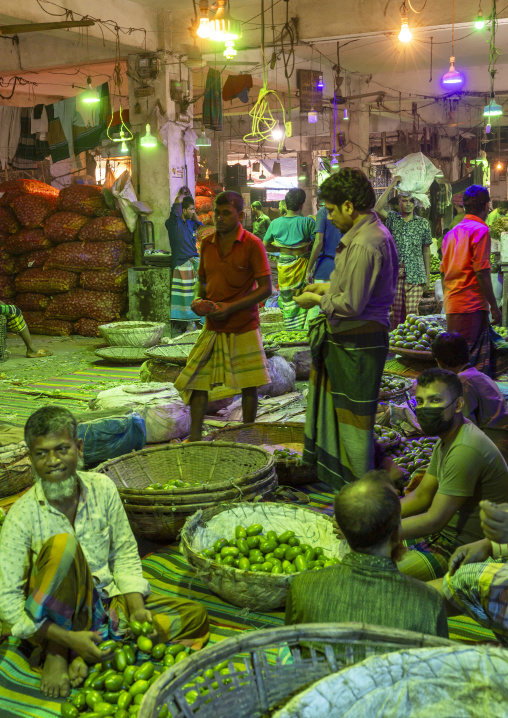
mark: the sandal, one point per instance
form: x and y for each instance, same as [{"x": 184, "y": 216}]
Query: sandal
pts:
[{"x": 40, "y": 353}]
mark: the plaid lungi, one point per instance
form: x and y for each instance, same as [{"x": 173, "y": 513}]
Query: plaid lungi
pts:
[
  {"x": 343, "y": 394},
  {"x": 481, "y": 590},
  {"x": 235, "y": 361},
  {"x": 183, "y": 284},
  {"x": 407, "y": 298},
  {"x": 61, "y": 589},
  {"x": 292, "y": 272},
  {"x": 427, "y": 558},
  {"x": 15, "y": 320}
]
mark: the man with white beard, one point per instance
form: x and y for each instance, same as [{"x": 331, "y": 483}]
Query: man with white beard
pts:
[{"x": 70, "y": 572}]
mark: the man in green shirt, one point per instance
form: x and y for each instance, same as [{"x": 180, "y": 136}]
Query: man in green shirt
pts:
[
  {"x": 366, "y": 586},
  {"x": 260, "y": 221},
  {"x": 466, "y": 467}
]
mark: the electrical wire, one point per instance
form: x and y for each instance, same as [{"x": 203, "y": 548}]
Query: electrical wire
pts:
[{"x": 417, "y": 12}]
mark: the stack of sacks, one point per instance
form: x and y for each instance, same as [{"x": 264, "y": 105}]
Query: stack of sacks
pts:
[
  {"x": 65, "y": 256},
  {"x": 205, "y": 195}
]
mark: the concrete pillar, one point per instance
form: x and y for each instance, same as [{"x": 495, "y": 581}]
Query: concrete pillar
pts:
[
  {"x": 305, "y": 167},
  {"x": 158, "y": 173},
  {"x": 355, "y": 130}
]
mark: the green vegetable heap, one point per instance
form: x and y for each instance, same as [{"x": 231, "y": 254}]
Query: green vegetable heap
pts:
[
  {"x": 286, "y": 454},
  {"x": 171, "y": 484},
  {"x": 288, "y": 337},
  {"x": 250, "y": 550},
  {"x": 415, "y": 333},
  {"x": 384, "y": 435},
  {"x": 117, "y": 687},
  {"x": 391, "y": 383},
  {"x": 413, "y": 454},
  {"x": 435, "y": 263}
]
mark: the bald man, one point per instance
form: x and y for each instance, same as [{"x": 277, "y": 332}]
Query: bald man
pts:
[{"x": 368, "y": 514}]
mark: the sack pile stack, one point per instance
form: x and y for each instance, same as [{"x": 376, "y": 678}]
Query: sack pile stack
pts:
[
  {"x": 64, "y": 257},
  {"x": 204, "y": 200}
]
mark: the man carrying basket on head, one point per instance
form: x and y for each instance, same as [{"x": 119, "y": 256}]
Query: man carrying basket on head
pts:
[{"x": 233, "y": 278}]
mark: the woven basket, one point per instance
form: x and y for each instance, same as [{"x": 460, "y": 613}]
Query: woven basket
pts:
[
  {"x": 248, "y": 589},
  {"x": 271, "y": 317},
  {"x": 15, "y": 469},
  {"x": 262, "y": 687},
  {"x": 270, "y": 328},
  {"x": 122, "y": 355},
  {"x": 171, "y": 353},
  {"x": 291, "y": 471},
  {"x": 186, "y": 338},
  {"x": 385, "y": 395},
  {"x": 210, "y": 468},
  {"x": 132, "y": 334},
  {"x": 163, "y": 523}
]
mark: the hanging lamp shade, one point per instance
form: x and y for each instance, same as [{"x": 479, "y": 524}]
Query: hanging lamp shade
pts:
[
  {"x": 148, "y": 141},
  {"x": 204, "y": 26},
  {"x": 276, "y": 169},
  {"x": 256, "y": 166},
  {"x": 492, "y": 109},
  {"x": 453, "y": 78},
  {"x": 250, "y": 181},
  {"x": 222, "y": 25},
  {"x": 312, "y": 117},
  {"x": 90, "y": 96},
  {"x": 203, "y": 140}
]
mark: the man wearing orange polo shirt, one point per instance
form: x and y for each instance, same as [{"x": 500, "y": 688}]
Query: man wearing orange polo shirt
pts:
[
  {"x": 467, "y": 285},
  {"x": 234, "y": 274}
]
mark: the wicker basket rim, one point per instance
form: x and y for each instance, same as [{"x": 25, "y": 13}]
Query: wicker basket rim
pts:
[
  {"x": 182, "y": 447},
  {"x": 251, "y": 641},
  {"x": 130, "y": 325},
  {"x": 215, "y": 436}
]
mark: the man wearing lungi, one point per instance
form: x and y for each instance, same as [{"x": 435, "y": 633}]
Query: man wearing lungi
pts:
[
  {"x": 234, "y": 274},
  {"x": 70, "y": 573},
  {"x": 412, "y": 237},
  {"x": 349, "y": 340},
  {"x": 182, "y": 226},
  {"x": 17, "y": 325},
  {"x": 467, "y": 284}
]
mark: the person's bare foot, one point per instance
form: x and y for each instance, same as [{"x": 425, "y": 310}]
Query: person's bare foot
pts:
[
  {"x": 55, "y": 681},
  {"x": 78, "y": 671}
]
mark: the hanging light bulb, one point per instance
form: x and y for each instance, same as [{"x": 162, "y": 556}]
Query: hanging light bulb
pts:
[
  {"x": 277, "y": 132},
  {"x": 499, "y": 166},
  {"x": 230, "y": 50},
  {"x": 405, "y": 34},
  {"x": 222, "y": 25},
  {"x": 487, "y": 129},
  {"x": 480, "y": 22},
  {"x": 492, "y": 109},
  {"x": 262, "y": 176},
  {"x": 453, "y": 78},
  {"x": 123, "y": 148},
  {"x": 312, "y": 117},
  {"x": 148, "y": 140},
  {"x": 90, "y": 96},
  {"x": 203, "y": 140},
  {"x": 320, "y": 82},
  {"x": 346, "y": 117},
  {"x": 204, "y": 27}
]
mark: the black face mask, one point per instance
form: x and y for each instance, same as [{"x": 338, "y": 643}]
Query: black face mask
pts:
[{"x": 431, "y": 419}]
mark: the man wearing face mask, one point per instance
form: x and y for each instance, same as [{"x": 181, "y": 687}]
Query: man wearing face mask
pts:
[{"x": 443, "y": 513}]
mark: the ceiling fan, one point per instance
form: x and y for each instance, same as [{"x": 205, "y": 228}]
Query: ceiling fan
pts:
[{"x": 43, "y": 26}]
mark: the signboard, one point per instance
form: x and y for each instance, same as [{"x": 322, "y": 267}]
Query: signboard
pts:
[{"x": 310, "y": 95}]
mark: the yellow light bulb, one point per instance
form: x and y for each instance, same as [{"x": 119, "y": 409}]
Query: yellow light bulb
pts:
[{"x": 405, "y": 34}]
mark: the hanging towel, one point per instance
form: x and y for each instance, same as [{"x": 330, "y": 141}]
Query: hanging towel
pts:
[
  {"x": 237, "y": 86},
  {"x": 10, "y": 129},
  {"x": 212, "y": 101}
]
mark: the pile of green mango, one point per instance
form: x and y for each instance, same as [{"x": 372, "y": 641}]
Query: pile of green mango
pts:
[
  {"x": 415, "y": 333},
  {"x": 288, "y": 337},
  {"x": 117, "y": 686},
  {"x": 254, "y": 550},
  {"x": 413, "y": 454},
  {"x": 383, "y": 434},
  {"x": 391, "y": 383},
  {"x": 286, "y": 454},
  {"x": 435, "y": 263},
  {"x": 502, "y": 331},
  {"x": 171, "y": 484}
]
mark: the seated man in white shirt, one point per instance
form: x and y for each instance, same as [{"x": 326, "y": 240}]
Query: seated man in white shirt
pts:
[
  {"x": 70, "y": 572},
  {"x": 484, "y": 403}
]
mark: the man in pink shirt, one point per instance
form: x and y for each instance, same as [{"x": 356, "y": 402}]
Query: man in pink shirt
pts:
[{"x": 467, "y": 285}]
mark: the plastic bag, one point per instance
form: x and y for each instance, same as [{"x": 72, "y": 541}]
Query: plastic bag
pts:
[
  {"x": 166, "y": 416},
  {"x": 31, "y": 210},
  {"x": 64, "y": 226},
  {"x": 283, "y": 377},
  {"x": 130, "y": 206},
  {"x": 109, "y": 437},
  {"x": 82, "y": 303},
  {"x": 45, "y": 281},
  {"x": 417, "y": 173}
]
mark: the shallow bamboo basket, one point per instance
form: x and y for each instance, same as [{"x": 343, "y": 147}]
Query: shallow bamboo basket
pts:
[
  {"x": 317, "y": 650},
  {"x": 132, "y": 334}
]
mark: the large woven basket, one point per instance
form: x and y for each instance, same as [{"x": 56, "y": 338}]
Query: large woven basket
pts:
[
  {"x": 185, "y": 338},
  {"x": 171, "y": 353},
  {"x": 132, "y": 334},
  {"x": 15, "y": 469},
  {"x": 290, "y": 471},
  {"x": 207, "y": 467},
  {"x": 255, "y": 685},
  {"x": 122, "y": 355},
  {"x": 164, "y": 522},
  {"x": 441, "y": 681},
  {"x": 274, "y": 317},
  {"x": 249, "y": 589}
]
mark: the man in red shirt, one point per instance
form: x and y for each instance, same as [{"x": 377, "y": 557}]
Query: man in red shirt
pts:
[
  {"x": 467, "y": 285},
  {"x": 235, "y": 274}
]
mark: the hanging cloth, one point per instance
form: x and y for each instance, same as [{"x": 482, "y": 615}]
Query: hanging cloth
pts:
[
  {"x": 212, "y": 102},
  {"x": 237, "y": 86},
  {"x": 10, "y": 130}
]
